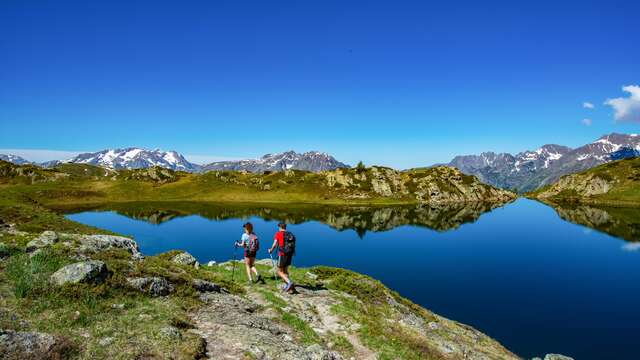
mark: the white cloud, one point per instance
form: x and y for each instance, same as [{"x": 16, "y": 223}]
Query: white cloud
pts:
[
  {"x": 39, "y": 155},
  {"x": 586, "y": 122},
  {"x": 626, "y": 109},
  {"x": 587, "y": 105}
]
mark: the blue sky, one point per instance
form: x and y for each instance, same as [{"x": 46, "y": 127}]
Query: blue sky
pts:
[{"x": 400, "y": 83}]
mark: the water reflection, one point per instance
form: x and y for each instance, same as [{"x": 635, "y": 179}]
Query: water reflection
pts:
[
  {"x": 360, "y": 219},
  {"x": 620, "y": 222}
]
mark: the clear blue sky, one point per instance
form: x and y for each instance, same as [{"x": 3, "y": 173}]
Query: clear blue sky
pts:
[{"x": 401, "y": 83}]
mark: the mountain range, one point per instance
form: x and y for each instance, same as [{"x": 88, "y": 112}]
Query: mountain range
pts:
[
  {"x": 529, "y": 170},
  {"x": 525, "y": 171},
  {"x": 310, "y": 161},
  {"x": 137, "y": 158},
  {"x": 14, "y": 159}
]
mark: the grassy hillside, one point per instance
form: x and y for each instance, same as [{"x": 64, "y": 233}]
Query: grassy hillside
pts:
[
  {"x": 615, "y": 183},
  {"x": 71, "y": 183},
  {"x": 336, "y": 311}
]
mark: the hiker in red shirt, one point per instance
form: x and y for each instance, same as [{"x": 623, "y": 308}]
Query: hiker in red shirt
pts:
[{"x": 286, "y": 243}]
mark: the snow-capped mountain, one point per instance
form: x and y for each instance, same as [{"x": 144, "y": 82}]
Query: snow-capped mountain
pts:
[
  {"x": 14, "y": 159},
  {"x": 310, "y": 161},
  {"x": 135, "y": 158},
  {"x": 529, "y": 170}
]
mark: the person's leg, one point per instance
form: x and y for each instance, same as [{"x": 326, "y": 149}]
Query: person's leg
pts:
[
  {"x": 283, "y": 275},
  {"x": 247, "y": 265},
  {"x": 252, "y": 264}
]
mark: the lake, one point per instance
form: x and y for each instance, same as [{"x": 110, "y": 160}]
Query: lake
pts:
[{"x": 537, "y": 279}]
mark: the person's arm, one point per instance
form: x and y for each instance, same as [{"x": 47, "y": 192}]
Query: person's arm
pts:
[
  {"x": 241, "y": 243},
  {"x": 275, "y": 244}
]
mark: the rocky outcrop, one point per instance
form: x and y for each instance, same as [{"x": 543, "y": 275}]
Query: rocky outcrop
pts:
[
  {"x": 578, "y": 185},
  {"x": 16, "y": 345},
  {"x": 82, "y": 272},
  {"x": 96, "y": 243},
  {"x": 204, "y": 286},
  {"x": 154, "y": 174},
  {"x": 153, "y": 286},
  {"x": 45, "y": 239},
  {"x": 438, "y": 185},
  {"x": 234, "y": 327},
  {"x": 184, "y": 258}
]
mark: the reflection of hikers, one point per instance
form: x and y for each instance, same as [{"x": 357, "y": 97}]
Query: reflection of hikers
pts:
[
  {"x": 286, "y": 243},
  {"x": 250, "y": 243}
]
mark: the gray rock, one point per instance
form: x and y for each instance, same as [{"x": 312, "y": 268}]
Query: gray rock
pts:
[
  {"x": 106, "y": 341},
  {"x": 31, "y": 345},
  {"x": 316, "y": 352},
  {"x": 98, "y": 243},
  {"x": 205, "y": 286},
  {"x": 311, "y": 275},
  {"x": 557, "y": 357},
  {"x": 211, "y": 263},
  {"x": 43, "y": 240},
  {"x": 170, "y": 332},
  {"x": 154, "y": 286},
  {"x": 536, "y": 358},
  {"x": 4, "y": 250},
  {"x": 184, "y": 258},
  {"x": 82, "y": 272}
]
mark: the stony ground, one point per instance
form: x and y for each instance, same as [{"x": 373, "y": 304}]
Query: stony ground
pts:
[{"x": 86, "y": 296}]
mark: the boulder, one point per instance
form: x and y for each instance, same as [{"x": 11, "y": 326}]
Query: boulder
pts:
[
  {"x": 81, "y": 272},
  {"x": 43, "y": 240},
  {"x": 154, "y": 286},
  {"x": 211, "y": 263},
  {"x": 97, "y": 243},
  {"x": 557, "y": 357},
  {"x": 170, "y": 332},
  {"x": 204, "y": 286},
  {"x": 4, "y": 250},
  {"x": 184, "y": 258},
  {"x": 32, "y": 345}
]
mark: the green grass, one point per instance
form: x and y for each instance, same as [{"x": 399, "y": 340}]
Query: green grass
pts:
[
  {"x": 623, "y": 175},
  {"x": 30, "y": 274}
]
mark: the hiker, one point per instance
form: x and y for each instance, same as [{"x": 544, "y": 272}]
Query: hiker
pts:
[
  {"x": 286, "y": 243},
  {"x": 250, "y": 243}
]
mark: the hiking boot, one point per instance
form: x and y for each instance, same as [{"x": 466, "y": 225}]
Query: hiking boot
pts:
[{"x": 288, "y": 286}]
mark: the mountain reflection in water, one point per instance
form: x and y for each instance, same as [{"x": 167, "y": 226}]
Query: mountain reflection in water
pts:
[
  {"x": 358, "y": 218},
  {"x": 623, "y": 223}
]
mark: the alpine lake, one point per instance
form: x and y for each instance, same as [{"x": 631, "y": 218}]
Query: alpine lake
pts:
[{"x": 536, "y": 278}]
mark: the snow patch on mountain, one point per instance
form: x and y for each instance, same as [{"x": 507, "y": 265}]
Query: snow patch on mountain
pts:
[
  {"x": 314, "y": 161},
  {"x": 15, "y": 159},
  {"x": 135, "y": 158}
]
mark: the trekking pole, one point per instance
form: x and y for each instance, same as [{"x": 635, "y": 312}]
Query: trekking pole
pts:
[
  {"x": 273, "y": 265},
  {"x": 235, "y": 252}
]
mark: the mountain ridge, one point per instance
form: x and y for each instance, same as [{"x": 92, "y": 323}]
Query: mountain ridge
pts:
[{"x": 529, "y": 170}]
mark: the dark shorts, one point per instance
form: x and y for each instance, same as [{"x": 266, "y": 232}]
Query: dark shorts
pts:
[
  {"x": 284, "y": 261},
  {"x": 249, "y": 254}
]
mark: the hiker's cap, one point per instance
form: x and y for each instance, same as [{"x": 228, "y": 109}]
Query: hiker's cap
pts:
[{"x": 282, "y": 225}]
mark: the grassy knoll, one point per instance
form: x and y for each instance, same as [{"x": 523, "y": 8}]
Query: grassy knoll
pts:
[
  {"x": 616, "y": 184},
  {"x": 73, "y": 183}
]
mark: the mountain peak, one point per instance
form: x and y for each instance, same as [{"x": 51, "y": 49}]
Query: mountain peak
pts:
[
  {"x": 135, "y": 158},
  {"x": 529, "y": 169},
  {"x": 314, "y": 161},
  {"x": 15, "y": 159}
]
